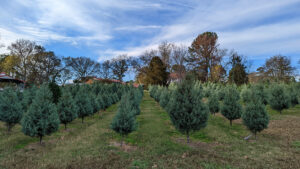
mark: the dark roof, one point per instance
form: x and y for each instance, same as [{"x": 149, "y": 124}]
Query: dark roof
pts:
[{"x": 5, "y": 78}]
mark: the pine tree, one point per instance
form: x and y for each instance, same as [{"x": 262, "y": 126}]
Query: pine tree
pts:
[
  {"x": 231, "y": 108},
  {"x": 100, "y": 102},
  {"x": 187, "y": 111},
  {"x": 279, "y": 99},
  {"x": 124, "y": 122},
  {"x": 28, "y": 96},
  {"x": 84, "y": 104},
  {"x": 293, "y": 93},
  {"x": 134, "y": 101},
  {"x": 164, "y": 98},
  {"x": 255, "y": 117},
  {"x": 246, "y": 94},
  {"x": 94, "y": 103},
  {"x": 41, "y": 118},
  {"x": 67, "y": 108},
  {"x": 213, "y": 103},
  {"x": 260, "y": 93},
  {"x": 56, "y": 93},
  {"x": 10, "y": 108}
]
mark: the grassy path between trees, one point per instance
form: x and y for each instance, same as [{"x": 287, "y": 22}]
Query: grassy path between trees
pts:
[{"x": 156, "y": 144}]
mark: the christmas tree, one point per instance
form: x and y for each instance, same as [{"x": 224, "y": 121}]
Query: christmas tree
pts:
[
  {"x": 231, "y": 108},
  {"x": 83, "y": 103},
  {"x": 124, "y": 122},
  {"x": 255, "y": 117},
  {"x": 213, "y": 103},
  {"x": 41, "y": 118},
  {"x": 279, "y": 98},
  {"x": 187, "y": 111},
  {"x": 10, "y": 108},
  {"x": 67, "y": 108}
]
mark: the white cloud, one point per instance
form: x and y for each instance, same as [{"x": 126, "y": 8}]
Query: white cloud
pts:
[
  {"x": 239, "y": 24},
  {"x": 137, "y": 27}
]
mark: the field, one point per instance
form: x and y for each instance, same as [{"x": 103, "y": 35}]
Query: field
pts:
[{"x": 156, "y": 144}]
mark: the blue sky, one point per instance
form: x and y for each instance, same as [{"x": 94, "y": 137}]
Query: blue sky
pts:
[{"x": 103, "y": 29}]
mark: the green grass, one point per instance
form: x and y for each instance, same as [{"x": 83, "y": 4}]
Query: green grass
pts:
[{"x": 156, "y": 144}]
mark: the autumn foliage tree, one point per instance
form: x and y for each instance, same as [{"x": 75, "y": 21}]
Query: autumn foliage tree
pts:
[{"x": 205, "y": 54}]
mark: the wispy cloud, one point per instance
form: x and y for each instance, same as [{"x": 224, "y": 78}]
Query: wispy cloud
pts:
[
  {"x": 108, "y": 28},
  {"x": 137, "y": 27}
]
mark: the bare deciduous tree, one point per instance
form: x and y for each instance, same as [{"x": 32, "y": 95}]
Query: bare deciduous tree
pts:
[
  {"x": 23, "y": 50},
  {"x": 120, "y": 66},
  {"x": 83, "y": 66}
]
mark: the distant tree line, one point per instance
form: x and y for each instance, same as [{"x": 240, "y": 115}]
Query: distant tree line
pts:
[{"x": 203, "y": 59}]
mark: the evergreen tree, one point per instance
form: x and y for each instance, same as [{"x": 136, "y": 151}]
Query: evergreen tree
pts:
[
  {"x": 156, "y": 72},
  {"x": 213, "y": 103},
  {"x": 28, "y": 96},
  {"x": 259, "y": 93},
  {"x": 231, "y": 108},
  {"x": 187, "y": 111},
  {"x": 246, "y": 94},
  {"x": 124, "y": 122},
  {"x": 293, "y": 93},
  {"x": 10, "y": 108},
  {"x": 41, "y": 118},
  {"x": 56, "y": 93},
  {"x": 100, "y": 102},
  {"x": 255, "y": 117},
  {"x": 164, "y": 98},
  {"x": 84, "y": 104},
  {"x": 237, "y": 74},
  {"x": 279, "y": 98},
  {"x": 94, "y": 103},
  {"x": 67, "y": 108}
]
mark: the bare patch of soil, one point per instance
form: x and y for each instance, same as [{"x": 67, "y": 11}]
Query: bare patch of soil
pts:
[
  {"x": 287, "y": 128},
  {"x": 125, "y": 147},
  {"x": 197, "y": 144}
]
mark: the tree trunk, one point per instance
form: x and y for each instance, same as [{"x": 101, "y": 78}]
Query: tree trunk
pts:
[
  {"x": 255, "y": 135},
  {"x": 122, "y": 140},
  {"x": 280, "y": 111},
  {"x": 230, "y": 122},
  {"x": 65, "y": 126},
  {"x": 9, "y": 126},
  {"x": 82, "y": 119},
  {"x": 187, "y": 137},
  {"x": 41, "y": 137}
]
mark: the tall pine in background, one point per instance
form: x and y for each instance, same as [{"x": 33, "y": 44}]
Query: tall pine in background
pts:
[
  {"x": 10, "y": 108},
  {"x": 56, "y": 93},
  {"x": 41, "y": 118}
]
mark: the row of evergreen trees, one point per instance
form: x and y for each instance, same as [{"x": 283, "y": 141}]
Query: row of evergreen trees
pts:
[
  {"x": 124, "y": 121},
  {"x": 183, "y": 102},
  {"x": 41, "y": 110}
]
